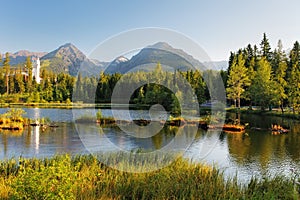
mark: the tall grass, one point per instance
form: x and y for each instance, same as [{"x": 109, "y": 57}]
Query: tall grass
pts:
[{"x": 84, "y": 177}]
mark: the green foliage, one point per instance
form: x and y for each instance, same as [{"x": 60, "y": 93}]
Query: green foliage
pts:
[
  {"x": 15, "y": 114},
  {"x": 238, "y": 79},
  {"x": 53, "y": 87},
  {"x": 29, "y": 82},
  {"x": 274, "y": 77},
  {"x": 294, "y": 87},
  {"x": 6, "y": 67},
  {"x": 148, "y": 94},
  {"x": 53, "y": 181},
  {"x": 12, "y": 119},
  {"x": 84, "y": 177},
  {"x": 266, "y": 48},
  {"x": 261, "y": 88},
  {"x": 61, "y": 87},
  {"x": 99, "y": 114}
]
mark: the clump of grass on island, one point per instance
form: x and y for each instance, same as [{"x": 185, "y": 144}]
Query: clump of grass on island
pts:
[
  {"x": 99, "y": 118},
  {"x": 13, "y": 119},
  {"x": 84, "y": 177}
]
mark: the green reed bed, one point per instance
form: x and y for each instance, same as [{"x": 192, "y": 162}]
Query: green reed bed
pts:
[{"x": 85, "y": 177}]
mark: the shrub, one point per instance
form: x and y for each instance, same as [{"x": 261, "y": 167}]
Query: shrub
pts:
[{"x": 56, "y": 180}]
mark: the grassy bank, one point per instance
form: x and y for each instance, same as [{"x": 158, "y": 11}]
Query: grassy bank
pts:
[
  {"x": 84, "y": 177},
  {"x": 286, "y": 114}
]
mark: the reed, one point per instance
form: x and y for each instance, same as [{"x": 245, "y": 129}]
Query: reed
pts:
[{"x": 85, "y": 177}]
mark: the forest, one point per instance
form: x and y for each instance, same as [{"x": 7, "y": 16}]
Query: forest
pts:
[
  {"x": 264, "y": 77},
  {"x": 256, "y": 76},
  {"x": 62, "y": 87}
]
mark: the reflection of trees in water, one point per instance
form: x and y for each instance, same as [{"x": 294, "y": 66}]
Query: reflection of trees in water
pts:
[
  {"x": 157, "y": 141},
  {"x": 5, "y": 135},
  {"x": 239, "y": 146},
  {"x": 179, "y": 136},
  {"x": 27, "y": 133},
  {"x": 4, "y": 142},
  {"x": 292, "y": 141},
  {"x": 262, "y": 147}
]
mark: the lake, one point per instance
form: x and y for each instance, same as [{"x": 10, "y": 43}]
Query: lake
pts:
[{"x": 257, "y": 152}]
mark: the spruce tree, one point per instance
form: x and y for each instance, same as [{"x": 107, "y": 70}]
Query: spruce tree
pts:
[
  {"x": 238, "y": 79},
  {"x": 7, "y": 71},
  {"x": 261, "y": 87},
  {"x": 28, "y": 66},
  {"x": 266, "y": 48}
]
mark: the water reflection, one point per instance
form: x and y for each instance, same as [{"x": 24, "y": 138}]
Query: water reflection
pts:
[
  {"x": 36, "y": 113},
  {"x": 253, "y": 153},
  {"x": 105, "y": 139},
  {"x": 36, "y": 142},
  {"x": 36, "y": 133}
]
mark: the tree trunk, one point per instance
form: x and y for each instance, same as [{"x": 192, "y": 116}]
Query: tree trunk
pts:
[
  {"x": 7, "y": 89},
  {"x": 293, "y": 109},
  {"x": 281, "y": 107},
  {"x": 239, "y": 103}
]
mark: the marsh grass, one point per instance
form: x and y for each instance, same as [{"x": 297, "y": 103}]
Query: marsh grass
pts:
[{"x": 85, "y": 177}]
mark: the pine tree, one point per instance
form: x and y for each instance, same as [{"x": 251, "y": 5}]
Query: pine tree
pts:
[
  {"x": 238, "y": 79},
  {"x": 280, "y": 84},
  {"x": 294, "y": 58},
  {"x": 261, "y": 87},
  {"x": 28, "y": 66},
  {"x": 19, "y": 83},
  {"x": 279, "y": 66},
  {"x": 11, "y": 84},
  {"x": 294, "y": 87},
  {"x": 266, "y": 48},
  {"x": 278, "y": 56},
  {"x": 7, "y": 71}
]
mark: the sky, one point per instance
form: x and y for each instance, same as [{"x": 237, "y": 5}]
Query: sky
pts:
[{"x": 217, "y": 26}]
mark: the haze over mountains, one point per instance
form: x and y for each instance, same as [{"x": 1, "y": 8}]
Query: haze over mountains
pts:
[{"x": 69, "y": 59}]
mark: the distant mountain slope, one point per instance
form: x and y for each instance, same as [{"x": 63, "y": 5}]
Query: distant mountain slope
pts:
[
  {"x": 174, "y": 59},
  {"x": 117, "y": 65},
  {"x": 217, "y": 65},
  {"x": 20, "y": 56},
  {"x": 69, "y": 59}
]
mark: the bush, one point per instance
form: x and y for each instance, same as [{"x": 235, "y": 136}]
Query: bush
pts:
[
  {"x": 99, "y": 114},
  {"x": 68, "y": 101},
  {"x": 56, "y": 180}
]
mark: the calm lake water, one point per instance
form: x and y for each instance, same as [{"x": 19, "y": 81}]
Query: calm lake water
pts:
[{"x": 254, "y": 153}]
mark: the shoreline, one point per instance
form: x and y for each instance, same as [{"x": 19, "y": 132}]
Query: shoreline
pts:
[{"x": 286, "y": 114}]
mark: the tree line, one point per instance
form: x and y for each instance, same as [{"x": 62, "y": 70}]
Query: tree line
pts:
[
  {"x": 17, "y": 86},
  {"x": 264, "y": 77},
  {"x": 100, "y": 90},
  {"x": 62, "y": 87}
]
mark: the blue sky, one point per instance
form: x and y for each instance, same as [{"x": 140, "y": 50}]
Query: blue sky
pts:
[{"x": 218, "y": 26}]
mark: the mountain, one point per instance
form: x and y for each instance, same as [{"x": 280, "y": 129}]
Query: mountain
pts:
[
  {"x": 216, "y": 65},
  {"x": 69, "y": 59},
  {"x": 169, "y": 57},
  {"x": 20, "y": 56},
  {"x": 116, "y": 65}
]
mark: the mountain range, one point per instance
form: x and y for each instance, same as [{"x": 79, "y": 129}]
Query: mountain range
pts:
[
  {"x": 20, "y": 56},
  {"x": 69, "y": 59}
]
